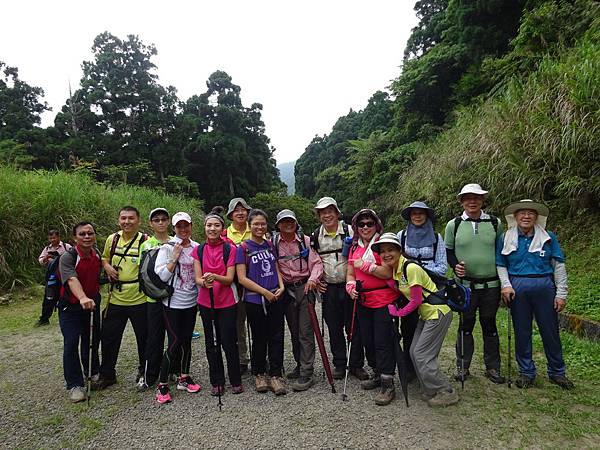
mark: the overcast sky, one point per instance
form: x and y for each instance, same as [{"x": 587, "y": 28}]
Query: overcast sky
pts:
[{"x": 307, "y": 62}]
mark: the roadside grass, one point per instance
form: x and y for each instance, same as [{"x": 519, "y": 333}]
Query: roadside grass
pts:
[{"x": 488, "y": 416}]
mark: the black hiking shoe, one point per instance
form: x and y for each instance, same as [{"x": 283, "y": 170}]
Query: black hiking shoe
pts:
[
  {"x": 360, "y": 373},
  {"x": 302, "y": 384},
  {"x": 294, "y": 373},
  {"x": 103, "y": 383},
  {"x": 339, "y": 373},
  {"x": 41, "y": 323},
  {"x": 494, "y": 376},
  {"x": 562, "y": 381},
  {"x": 462, "y": 375},
  {"x": 524, "y": 382}
]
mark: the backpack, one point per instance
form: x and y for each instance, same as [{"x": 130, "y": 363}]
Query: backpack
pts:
[
  {"x": 435, "y": 245},
  {"x": 314, "y": 239},
  {"x": 52, "y": 281},
  {"x": 303, "y": 251},
  {"x": 457, "y": 220},
  {"x": 150, "y": 283},
  {"x": 450, "y": 293}
]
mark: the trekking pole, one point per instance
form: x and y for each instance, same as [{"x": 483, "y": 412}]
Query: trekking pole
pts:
[
  {"x": 215, "y": 336},
  {"x": 462, "y": 351},
  {"x": 349, "y": 346},
  {"x": 89, "y": 374},
  {"x": 509, "y": 326},
  {"x": 319, "y": 299},
  {"x": 324, "y": 358}
]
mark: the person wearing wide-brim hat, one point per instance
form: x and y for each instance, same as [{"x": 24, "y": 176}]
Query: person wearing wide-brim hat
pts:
[
  {"x": 531, "y": 267},
  {"x": 238, "y": 231},
  {"x": 420, "y": 242},
  {"x": 470, "y": 241},
  {"x": 331, "y": 240}
]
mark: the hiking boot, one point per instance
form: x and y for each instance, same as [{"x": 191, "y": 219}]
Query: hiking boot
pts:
[
  {"x": 359, "y": 373},
  {"x": 371, "y": 383},
  {"x": 41, "y": 323},
  {"x": 494, "y": 376},
  {"x": 278, "y": 386},
  {"x": 163, "y": 395},
  {"x": 462, "y": 375},
  {"x": 215, "y": 390},
  {"x": 102, "y": 383},
  {"x": 386, "y": 393},
  {"x": 77, "y": 394},
  {"x": 302, "y": 384},
  {"x": 187, "y": 384},
  {"x": 261, "y": 383},
  {"x": 294, "y": 373},
  {"x": 444, "y": 398},
  {"x": 339, "y": 373},
  {"x": 238, "y": 389},
  {"x": 524, "y": 382},
  {"x": 562, "y": 381}
]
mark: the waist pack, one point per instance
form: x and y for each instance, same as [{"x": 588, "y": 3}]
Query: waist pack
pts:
[
  {"x": 450, "y": 293},
  {"x": 150, "y": 283}
]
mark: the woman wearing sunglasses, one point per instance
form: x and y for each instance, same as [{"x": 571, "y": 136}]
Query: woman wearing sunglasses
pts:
[{"x": 373, "y": 295}]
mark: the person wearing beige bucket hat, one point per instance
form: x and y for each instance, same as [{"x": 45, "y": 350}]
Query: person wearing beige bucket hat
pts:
[
  {"x": 531, "y": 267},
  {"x": 471, "y": 251}
]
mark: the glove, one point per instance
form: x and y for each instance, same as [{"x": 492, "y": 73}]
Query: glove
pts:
[{"x": 350, "y": 287}]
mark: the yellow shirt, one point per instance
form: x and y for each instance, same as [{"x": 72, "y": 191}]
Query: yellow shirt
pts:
[
  {"x": 128, "y": 294},
  {"x": 416, "y": 276},
  {"x": 236, "y": 236}
]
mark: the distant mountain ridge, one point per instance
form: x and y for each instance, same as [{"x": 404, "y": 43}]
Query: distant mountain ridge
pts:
[{"x": 286, "y": 173}]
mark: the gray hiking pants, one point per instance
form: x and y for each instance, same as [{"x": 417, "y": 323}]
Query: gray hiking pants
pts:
[
  {"x": 298, "y": 320},
  {"x": 424, "y": 352}
]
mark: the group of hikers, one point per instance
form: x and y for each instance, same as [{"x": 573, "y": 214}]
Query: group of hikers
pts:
[{"x": 380, "y": 295}]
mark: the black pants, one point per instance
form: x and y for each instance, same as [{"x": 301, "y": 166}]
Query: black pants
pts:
[
  {"x": 225, "y": 320},
  {"x": 487, "y": 301},
  {"x": 155, "y": 341},
  {"x": 51, "y": 294},
  {"x": 337, "y": 312},
  {"x": 376, "y": 331},
  {"x": 179, "y": 324},
  {"x": 113, "y": 325},
  {"x": 267, "y": 336},
  {"x": 408, "y": 326}
]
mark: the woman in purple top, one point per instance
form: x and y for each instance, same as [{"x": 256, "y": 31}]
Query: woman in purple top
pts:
[{"x": 257, "y": 272}]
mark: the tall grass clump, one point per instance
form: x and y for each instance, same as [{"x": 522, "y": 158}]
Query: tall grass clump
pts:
[
  {"x": 32, "y": 202},
  {"x": 537, "y": 138}
]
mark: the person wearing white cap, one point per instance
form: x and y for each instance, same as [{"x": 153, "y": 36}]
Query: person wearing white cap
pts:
[
  {"x": 471, "y": 250},
  {"x": 175, "y": 265},
  {"x": 531, "y": 267},
  {"x": 121, "y": 260},
  {"x": 329, "y": 241}
]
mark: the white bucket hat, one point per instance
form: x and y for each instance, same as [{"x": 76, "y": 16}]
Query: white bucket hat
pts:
[
  {"x": 387, "y": 238},
  {"x": 324, "y": 202},
  {"x": 472, "y": 188},
  {"x": 541, "y": 209}
]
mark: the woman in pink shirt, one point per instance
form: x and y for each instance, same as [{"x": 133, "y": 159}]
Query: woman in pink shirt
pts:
[
  {"x": 214, "y": 267},
  {"x": 375, "y": 295}
]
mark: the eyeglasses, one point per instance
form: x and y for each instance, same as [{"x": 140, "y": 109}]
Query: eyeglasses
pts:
[
  {"x": 160, "y": 219},
  {"x": 366, "y": 224},
  {"x": 88, "y": 233}
]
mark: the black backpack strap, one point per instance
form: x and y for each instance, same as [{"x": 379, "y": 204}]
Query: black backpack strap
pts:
[
  {"x": 457, "y": 221},
  {"x": 200, "y": 253},
  {"x": 403, "y": 239},
  {"x": 314, "y": 238},
  {"x": 494, "y": 221},
  {"x": 226, "y": 253},
  {"x": 345, "y": 228}
]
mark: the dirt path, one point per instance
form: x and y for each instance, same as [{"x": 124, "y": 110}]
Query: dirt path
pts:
[{"x": 35, "y": 412}]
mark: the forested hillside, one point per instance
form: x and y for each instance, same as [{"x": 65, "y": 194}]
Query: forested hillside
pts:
[
  {"x": 286, "y": 173},
  {"x": 502, "y": 93},
  {"x": 121, "y": 126}
]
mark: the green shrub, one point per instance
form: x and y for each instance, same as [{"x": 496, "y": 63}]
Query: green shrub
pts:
[{"x": 32, "y": 202}]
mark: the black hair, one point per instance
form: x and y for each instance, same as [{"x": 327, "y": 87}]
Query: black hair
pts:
[
  {"x": 130, "y": 209},
  {"x": 255, "y": 213},
  {"x": 82, "y": 224},
  {"x": 216, "y": 213}
]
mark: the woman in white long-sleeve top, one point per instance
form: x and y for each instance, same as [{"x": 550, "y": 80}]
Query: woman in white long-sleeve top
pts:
[
  {"x": 175, "y": 265},
  {"x": 533, "y": 277}
]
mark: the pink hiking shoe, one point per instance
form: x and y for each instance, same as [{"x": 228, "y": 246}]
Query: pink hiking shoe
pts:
[
  {"x": 187, "y": 384},
  {"x": 162, "y": 394}
]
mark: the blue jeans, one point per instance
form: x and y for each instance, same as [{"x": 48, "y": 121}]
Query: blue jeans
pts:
[
  {"x": 75, "y": 327},
  {"x": 534, "y": 297}
]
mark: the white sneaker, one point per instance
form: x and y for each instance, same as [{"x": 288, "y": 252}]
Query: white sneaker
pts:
[{"x": 77, "y": 394}]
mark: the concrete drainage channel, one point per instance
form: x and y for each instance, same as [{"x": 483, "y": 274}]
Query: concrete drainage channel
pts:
[{"x": 580, "y": 326}]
